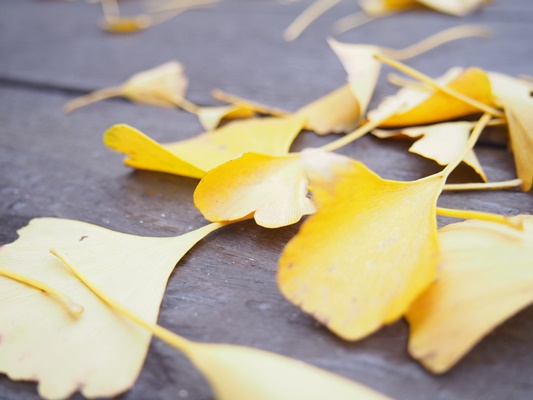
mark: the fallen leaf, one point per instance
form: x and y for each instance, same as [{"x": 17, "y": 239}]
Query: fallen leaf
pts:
[
  {"x": 273, "y": 189},
  {"x": 362, "y": 69},
  {"x": 98, "y": 353},
  {"x": 458, "y": 8},
  {"x": 238, "y": 372},
  {"x": 163, "y": 86},
  {"x": 194, "y": 157},
  {"x": 211, "y": 117},
  {"x": 336, "y": 112},
  {"x": 441, "y": 142},
  {"x": 381, "y": 8},
  {"x": 485, "y": 276},
  {"x": 429, "y": 106},
  {"x": 367, "y": 253},
  {"x": 514, "y": 96}
]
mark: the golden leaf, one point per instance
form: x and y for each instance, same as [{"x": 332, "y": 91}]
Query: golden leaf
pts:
[
  {"x": 369, "y": 251},
  {"x": 237, "y": 372},
  {"x": 163, "y": 86},
  {"x": 428, "y": 106},
  {"x": 485, "y": 276},
  {"x": 98, "y": 353},
  {"x": 194, "y": 157},
  {"x": 440, "y": 142},
  {"x": 515, "y": 96},
  {"x": 273, "y": 189},
  {"x": 336, "y": 112}
]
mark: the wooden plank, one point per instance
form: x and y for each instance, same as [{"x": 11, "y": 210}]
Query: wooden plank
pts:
[{"x": 56, "y": 165}]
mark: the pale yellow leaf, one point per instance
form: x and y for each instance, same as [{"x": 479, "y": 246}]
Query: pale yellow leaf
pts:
[
  {"x": 485, "y": 277},
  {"x": 459, "y": 8},
  {"x": 237, "y": 372},
  {"x": 163, "y": 86},
  {"x": 439, "y": 142},
  {"x": 99, "y": 353},
  {"x": 362, "y": 69},
  {"x": 515, "y": 96}
]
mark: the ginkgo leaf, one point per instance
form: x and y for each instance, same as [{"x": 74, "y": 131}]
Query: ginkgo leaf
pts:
[
  {"x": 367, "y": 253},
  {"x": 459, "y": 8},
  {"x": 383, "y": 7},
  {"x": 485, "y": 276},
  {"x": 336, "y": 112},
  {"x": 163, "y": 86},
  {"x": 515, "y": 97},
  {"x": 238, "y": 372},
  {"x": 362, "y": 69},
  {"x": 273, "y": 189},
  {"x": 454, "y": 7},
  {"x": 439, "y": 142},
  {"x": 429, "y": 106},
  {"x": 194, "y": 157},
  {"x": 211, "y": 117},
  {"x": 97, "y": 353}
]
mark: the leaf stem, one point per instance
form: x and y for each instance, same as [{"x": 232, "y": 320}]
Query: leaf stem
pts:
[
  {"x": 305, "y": 19},
  {"x": 93, "y": 97},
  {"x": 352, "y": 21},
  {"x": 167, "y": 336},
  {"x": 187, "y": 105},
  {"x": 74, "y": 309},
  {"x": 510, "y": 184},
  {"x": 359, "y": 132},
  {"x": 438, "y": 39},
  {"x": 482, "y": 216},
  {"x": 184, "y": 5},
  {"x": 236, "y": 100},
  {"x": 474, "y": 136},
  {"x": 445, "y": 89}
]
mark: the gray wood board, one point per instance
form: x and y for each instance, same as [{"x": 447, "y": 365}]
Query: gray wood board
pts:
[{"x": 224, "y": 289}]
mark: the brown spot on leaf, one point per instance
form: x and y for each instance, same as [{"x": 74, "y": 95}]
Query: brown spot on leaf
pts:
[{"x": 83, "y": 238}]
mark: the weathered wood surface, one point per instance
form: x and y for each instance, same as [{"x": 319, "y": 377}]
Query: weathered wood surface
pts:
[{"x": 224, "y": 289}]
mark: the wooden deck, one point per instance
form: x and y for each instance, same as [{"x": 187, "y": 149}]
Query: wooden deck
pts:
[{"x": 224, "y": 290}]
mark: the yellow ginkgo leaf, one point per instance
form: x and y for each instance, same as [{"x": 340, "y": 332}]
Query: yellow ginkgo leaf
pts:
[
  {"x": 380, "y": 8},
  {"x": 362, "y": 69},
  {"x": 429, "y": 106},
  {"x": 163, "y": 86},
  {"x": 98, "y": 353},
  {"x": 336, "y": 112},
  {"x": 237, "y": 372},
  {"x": 485, "y": 276},
  {"x": 515, "y": 97},
  {"x": 194, "y": 157},
  {"x": 367, "y": 253},
  {"x": 454, "y": 7},
  {"x": 211, "y": 117},
  {"x": 459, "y": 8},
  {"x": 439, "y": 142},
  {"x": 273, "y": 189}
]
